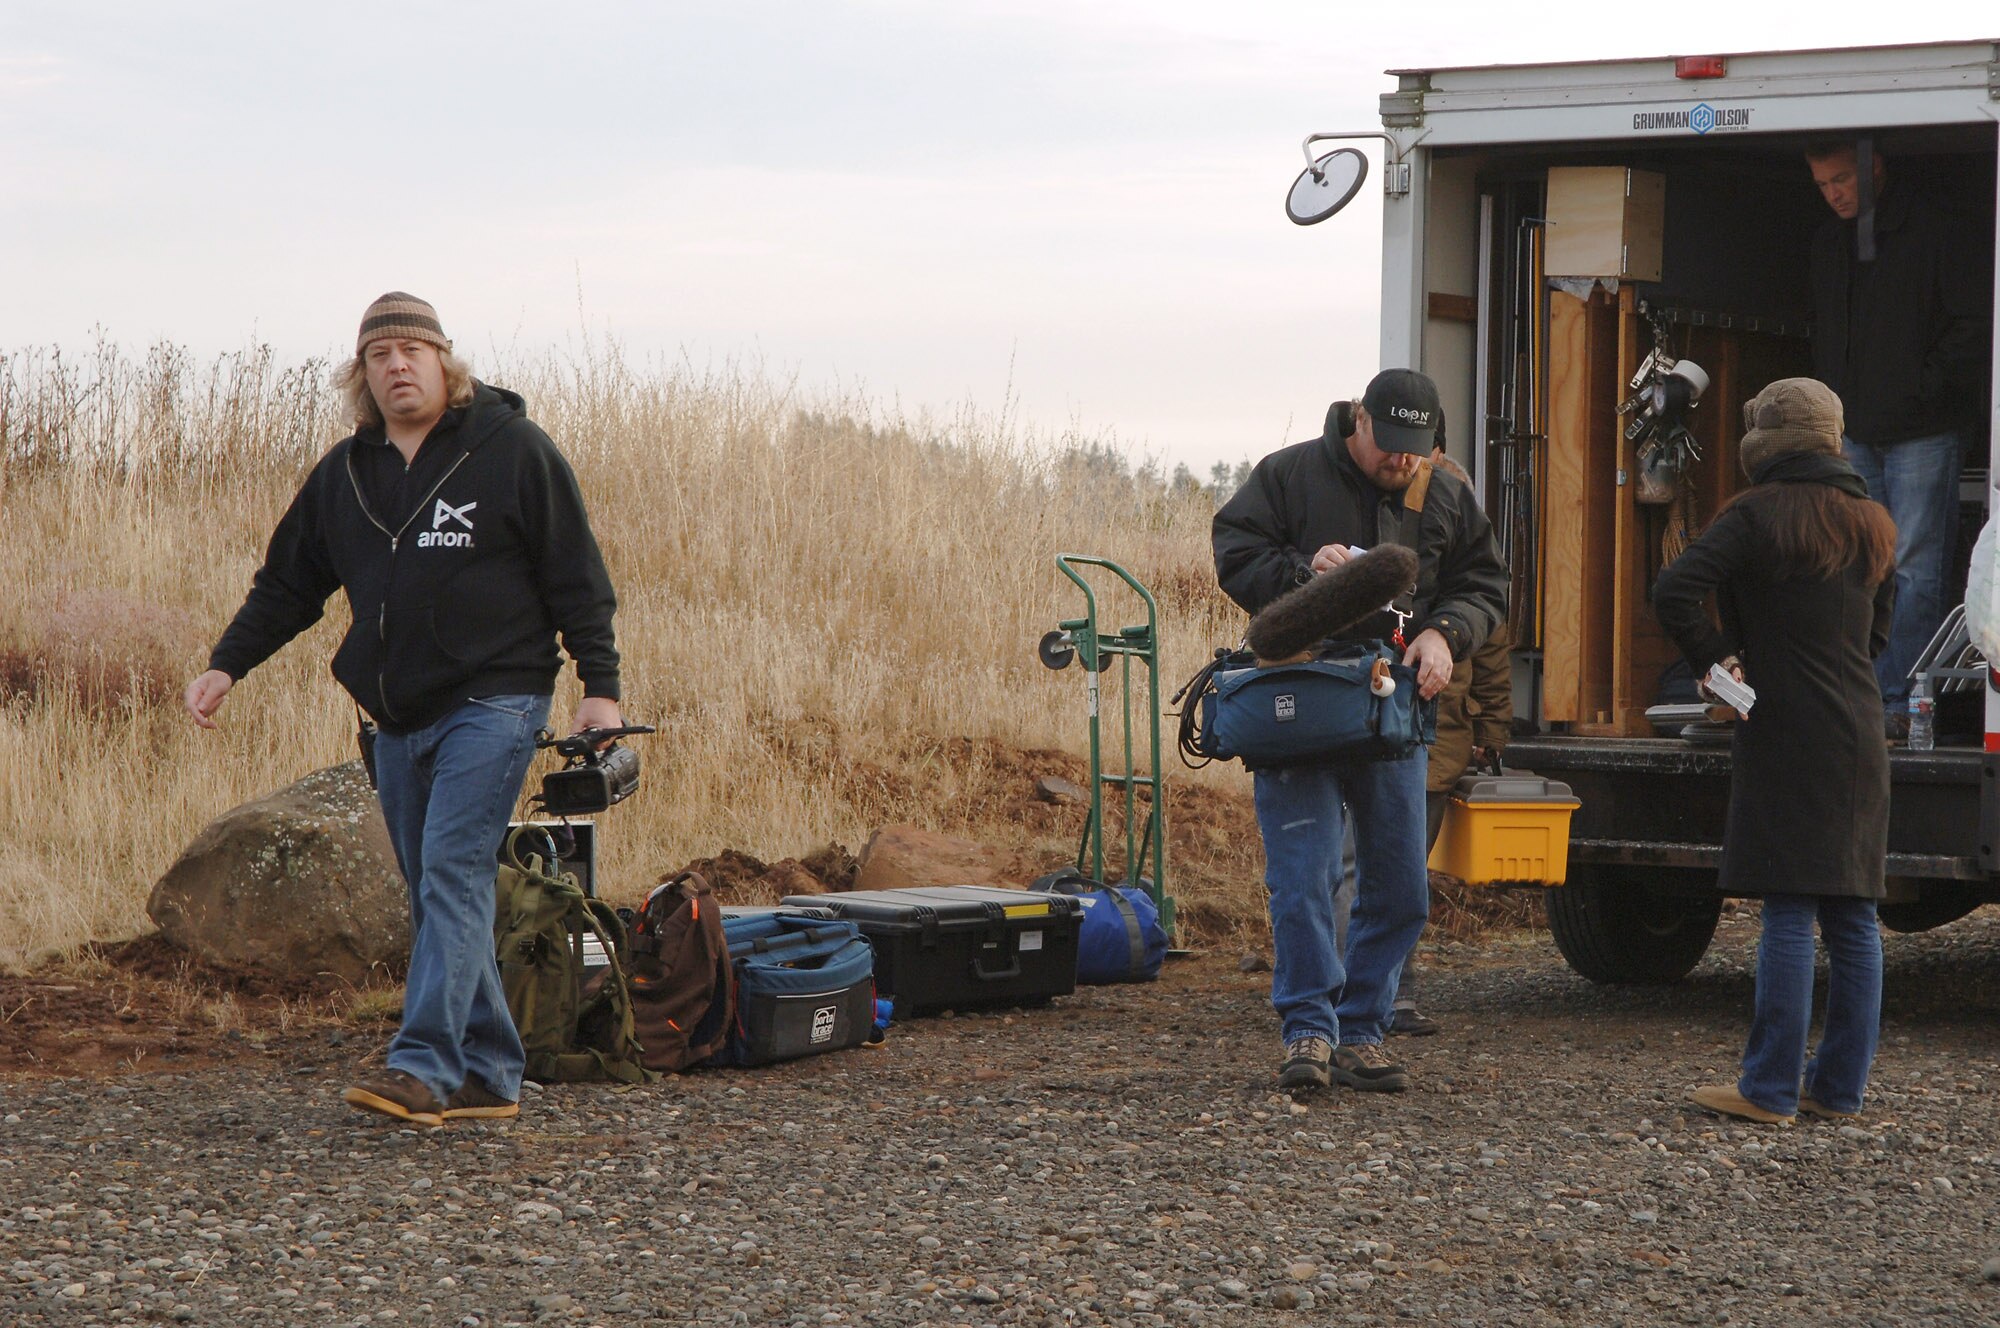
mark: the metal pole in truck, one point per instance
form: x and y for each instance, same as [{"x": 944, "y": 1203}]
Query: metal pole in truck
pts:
[{"x": 1993, "y": 483}]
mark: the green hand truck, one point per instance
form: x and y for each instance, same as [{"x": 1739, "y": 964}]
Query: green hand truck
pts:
[{"x": 1081, "y": 638}]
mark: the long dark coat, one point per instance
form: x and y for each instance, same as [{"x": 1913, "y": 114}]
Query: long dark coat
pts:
[{"x": 1809, "y": 790}]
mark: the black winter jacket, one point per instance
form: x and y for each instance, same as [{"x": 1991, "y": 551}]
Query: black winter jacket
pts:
[
  {"x": 1904, "y": 339},
  {"x": 1303, "y": 497},
  {"x": 1809, "y": 774},
  {"x": 459, "y": 573}
]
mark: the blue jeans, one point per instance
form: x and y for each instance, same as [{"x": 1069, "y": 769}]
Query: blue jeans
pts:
[
  {"x": 1343, "y": 898},
  {"x": 448, "y": 792},
  {"x": 1917, "y": 481},
  {"x": 1775, "y": 1059},
  {"x": 1316, "y": 990}
]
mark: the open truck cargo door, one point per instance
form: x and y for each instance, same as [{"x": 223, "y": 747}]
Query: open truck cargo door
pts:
[{"x": 1564, "y": 228}]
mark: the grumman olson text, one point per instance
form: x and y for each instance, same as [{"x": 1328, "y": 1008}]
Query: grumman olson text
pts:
[{"x": 1701, "y": 119}]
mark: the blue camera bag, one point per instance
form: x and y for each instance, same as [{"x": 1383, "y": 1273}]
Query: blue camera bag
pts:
[
  {"x": 804, "y": 985},
  {"x": 1320, "y": 710}
]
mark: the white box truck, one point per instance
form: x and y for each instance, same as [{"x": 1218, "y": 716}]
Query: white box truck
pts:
[{"x": 1547, "y": 229}]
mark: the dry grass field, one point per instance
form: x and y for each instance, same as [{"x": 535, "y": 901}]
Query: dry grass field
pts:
[{"x": 829, "y": 610}]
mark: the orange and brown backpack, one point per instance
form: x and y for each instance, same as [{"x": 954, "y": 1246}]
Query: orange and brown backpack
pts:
[{"x": 682, "y": 995}]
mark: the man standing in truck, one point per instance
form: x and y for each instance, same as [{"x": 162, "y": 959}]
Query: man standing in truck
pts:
[{"x": 1900, "y": 333}]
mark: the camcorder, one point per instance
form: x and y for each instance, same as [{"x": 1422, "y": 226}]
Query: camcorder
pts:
[{"x": 590, "y": 780}]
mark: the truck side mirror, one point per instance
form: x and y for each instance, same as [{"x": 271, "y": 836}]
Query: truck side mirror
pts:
[{"x": 1326, "y": 186}]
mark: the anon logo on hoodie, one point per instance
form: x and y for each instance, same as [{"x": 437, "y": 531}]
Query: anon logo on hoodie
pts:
[{"x": 443, "y": 515}]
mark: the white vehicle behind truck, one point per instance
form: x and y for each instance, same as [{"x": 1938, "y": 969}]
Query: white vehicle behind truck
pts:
[{"x": 1556, "y": 236}]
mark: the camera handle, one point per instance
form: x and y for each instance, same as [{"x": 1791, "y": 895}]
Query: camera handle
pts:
[{"x": 583, "y": 744}]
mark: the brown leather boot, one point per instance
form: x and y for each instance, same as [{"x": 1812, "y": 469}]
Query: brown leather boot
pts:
[
  {"x": 475, "y": 1101},
  {"x": 1723, "y": 1099},
  {"x": 1813, "y": 1107},
  {"x": 396, "y": 1093}
]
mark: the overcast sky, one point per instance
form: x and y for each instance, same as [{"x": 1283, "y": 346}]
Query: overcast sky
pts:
[{"x": 917, "y": 198}]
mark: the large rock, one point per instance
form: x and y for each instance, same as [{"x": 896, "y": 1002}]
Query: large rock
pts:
[
  {"x": 301, "y": 883},
  {"x": 1060, "y": 791},
  {"x": 899, "y": 856}
]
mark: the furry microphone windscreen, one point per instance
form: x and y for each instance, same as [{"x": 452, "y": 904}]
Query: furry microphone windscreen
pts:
[{"x": 1332, "y": 602}]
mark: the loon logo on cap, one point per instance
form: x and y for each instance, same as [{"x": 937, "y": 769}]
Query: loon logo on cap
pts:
[{"x": 436, "y": 538}]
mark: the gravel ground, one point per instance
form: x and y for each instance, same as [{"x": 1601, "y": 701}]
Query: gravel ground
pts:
[{"x": 1117, "y": 1158}]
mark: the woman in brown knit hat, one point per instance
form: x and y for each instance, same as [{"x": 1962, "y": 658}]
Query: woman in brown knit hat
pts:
[{"x": 1802, "y": 569}]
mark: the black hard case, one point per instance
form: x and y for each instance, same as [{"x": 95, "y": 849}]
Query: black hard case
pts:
[{"x": 958, "y": 947}]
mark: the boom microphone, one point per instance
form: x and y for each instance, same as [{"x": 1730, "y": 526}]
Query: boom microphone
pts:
[{"x": 1287, "y": 628}]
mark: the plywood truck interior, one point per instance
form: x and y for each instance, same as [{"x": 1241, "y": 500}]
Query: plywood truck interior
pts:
[{"x": 1549, "y": 359}]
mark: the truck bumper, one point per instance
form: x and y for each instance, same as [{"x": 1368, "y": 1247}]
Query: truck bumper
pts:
[{"x": 1663, "y": 802}]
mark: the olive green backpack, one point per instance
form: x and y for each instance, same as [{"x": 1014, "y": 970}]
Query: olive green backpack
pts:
[{"x": 575, "y": 1023}]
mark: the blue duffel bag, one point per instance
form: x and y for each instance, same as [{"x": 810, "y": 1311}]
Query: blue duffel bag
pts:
[
  {"x": 1119, "y": 938},
  {"x": 1325, "y": 709},
  {"x": 804, "y": 985}
]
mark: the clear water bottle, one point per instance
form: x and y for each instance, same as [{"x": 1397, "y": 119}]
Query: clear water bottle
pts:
[{"x": 1923, "y": 731}]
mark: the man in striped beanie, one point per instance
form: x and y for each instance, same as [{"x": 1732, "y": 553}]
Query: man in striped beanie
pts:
[{"x": 459, "y": 535}]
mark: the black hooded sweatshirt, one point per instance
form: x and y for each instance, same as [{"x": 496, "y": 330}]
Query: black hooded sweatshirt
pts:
[{"x": 460, "y": 569}]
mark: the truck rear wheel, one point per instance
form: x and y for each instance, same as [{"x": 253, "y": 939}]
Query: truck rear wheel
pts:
[{"x": 1632, "y": 924}]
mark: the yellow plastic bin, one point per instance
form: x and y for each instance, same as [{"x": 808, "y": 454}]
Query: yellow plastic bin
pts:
[{"x": 1505, "y": 829}]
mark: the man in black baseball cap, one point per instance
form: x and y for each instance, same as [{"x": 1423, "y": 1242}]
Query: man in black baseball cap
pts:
[
  {"x": 1304, "y": 510},
  {"x": 1390, "y": 435}
]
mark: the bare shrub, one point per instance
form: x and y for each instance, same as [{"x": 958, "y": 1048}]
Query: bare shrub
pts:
[
  {"x": 1460, "y": 912},
  {"x": 111, "y": 648},
  {"x": 829, "y": 608}
]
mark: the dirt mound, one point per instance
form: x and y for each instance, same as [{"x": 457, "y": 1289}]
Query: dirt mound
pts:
[
  {"x": 833, "y": 865},
  {"x": 147, "y": 1004},
  {"x": 728, "y": 871},
  {"x": 739, "y": 878},
  {"x": 153, "y": 957}
]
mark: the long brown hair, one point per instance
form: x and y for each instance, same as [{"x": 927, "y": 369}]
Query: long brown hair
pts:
[{"x": 1818, "y": 531}]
